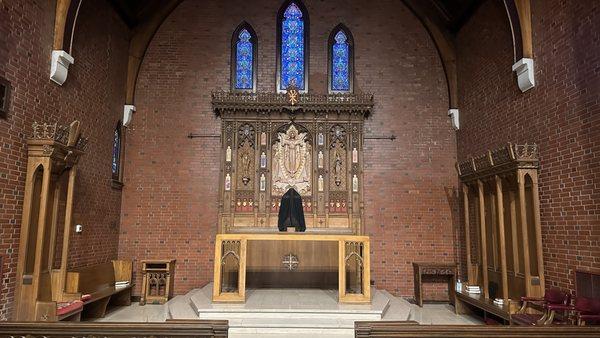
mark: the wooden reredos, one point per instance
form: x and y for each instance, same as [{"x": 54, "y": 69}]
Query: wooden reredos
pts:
[{"x": 271, "y": 142}]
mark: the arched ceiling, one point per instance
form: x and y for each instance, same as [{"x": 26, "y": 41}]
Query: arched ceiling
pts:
[{"x": 443, "y": 19}]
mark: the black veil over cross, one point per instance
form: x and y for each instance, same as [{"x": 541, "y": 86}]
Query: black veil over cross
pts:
[{"x": 291, "y": 213}]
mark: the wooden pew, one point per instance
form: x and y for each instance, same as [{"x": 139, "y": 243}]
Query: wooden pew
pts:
[
  {"x": 99, "y": 282},
  {"x": 199, "y": 328},
  {"x": 390, "y": 329}
]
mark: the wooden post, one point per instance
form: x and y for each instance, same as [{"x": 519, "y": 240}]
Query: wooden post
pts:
[
  {"x": 217, "y": 268},
  {"x": 242, "y": 269},
  {"x": 366, "y": 270},
  {"x": 341, "y": 270},
  {"x": 513, "y": 228},
  {"x": 484, "y": 269},
  {"x": 538, "y": 227},
  {"x": 62, "y": 10},
  {"x": 67, "y": 229},
  {"x": 42, "y": 228},
  {"x": 500, "y": 209},
  {"x": 470, "y": 276},
  {"x": 523, "y": 211}
]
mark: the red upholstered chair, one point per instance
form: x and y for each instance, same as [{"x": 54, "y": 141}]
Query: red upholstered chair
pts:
[
  {"x": 584, "y": 311},
  {"x": 552, "y": 297}
]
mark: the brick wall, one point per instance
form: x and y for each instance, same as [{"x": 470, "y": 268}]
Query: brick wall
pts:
[
  {"x": 561, "y": 114},
  {"x": 170, "y": 194},
  {"x": 93, "y": 93}
]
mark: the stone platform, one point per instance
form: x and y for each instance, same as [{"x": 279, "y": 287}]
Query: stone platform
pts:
[{"x": 289, "y": 311}]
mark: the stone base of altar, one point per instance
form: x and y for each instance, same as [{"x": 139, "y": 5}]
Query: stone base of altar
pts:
[{"x": 289, "y": 311}]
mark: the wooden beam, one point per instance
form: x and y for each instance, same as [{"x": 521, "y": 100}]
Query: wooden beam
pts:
[
  {"x": 470, "y": 277},
  {"x": 524, "y": 11},
  {"x": 67, "y": 230},
  {"x": 62, "y": 9},
  {"x": 500, "y": 210},
  {"x": 513, "y": 227},
  {"x": 140, "y": 40}
]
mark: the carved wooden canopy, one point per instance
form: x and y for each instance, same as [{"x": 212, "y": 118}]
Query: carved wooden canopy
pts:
[
  {"x": 267, "y": 103},
  {"x": 505, "y": 159}
]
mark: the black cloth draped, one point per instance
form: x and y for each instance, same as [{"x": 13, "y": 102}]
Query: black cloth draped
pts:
[{"x": 291, "y": 213}]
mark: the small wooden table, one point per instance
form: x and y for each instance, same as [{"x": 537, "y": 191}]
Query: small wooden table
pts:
[{"x": 436, "y": 269}]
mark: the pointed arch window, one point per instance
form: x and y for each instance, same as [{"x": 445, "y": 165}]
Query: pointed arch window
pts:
[
  {"x": 292, "y": 46},
  {"x": 244, "y": 46},
  {"x": 116, "y": 152},
  {"x": 341, "y": 60}
]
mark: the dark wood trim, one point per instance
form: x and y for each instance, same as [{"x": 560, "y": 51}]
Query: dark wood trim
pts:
[
  {"x": 280, "y": 13},
  {"x": 199, "y": 328},
  {"x": 266, "y": 104},
  {"x": 364, "y": 329},
  {"x": 254, "y": 41},
  {"x": 330, "y": 42},
  {"x": 5, "y": 90}
]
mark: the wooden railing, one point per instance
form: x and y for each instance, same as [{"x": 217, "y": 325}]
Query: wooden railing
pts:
[
  {"x": 414, "y": 330},
  {"x": 199, "y": 328}
]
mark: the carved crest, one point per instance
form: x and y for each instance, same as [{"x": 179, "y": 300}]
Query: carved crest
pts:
[{"x": 291, "y": 162}]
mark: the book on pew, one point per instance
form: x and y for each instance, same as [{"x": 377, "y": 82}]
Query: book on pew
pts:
[
  {"x": 121, "y": 284},
  {"x": 475, "y": 289}
]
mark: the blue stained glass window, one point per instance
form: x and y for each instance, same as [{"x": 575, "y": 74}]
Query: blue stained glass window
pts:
[
  {"x": 292, "y": 48},
  {"x": 244, "y": 61},
  {"x": 116, "y": 153},
  {"x": 340, "y": 77}
]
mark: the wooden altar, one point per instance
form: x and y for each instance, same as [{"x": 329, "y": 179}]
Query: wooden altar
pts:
[{"x": 272, "y": 142}]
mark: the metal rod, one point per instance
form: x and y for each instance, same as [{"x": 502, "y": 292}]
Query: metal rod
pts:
[
  {"x": 194, "y": 135},
  {"x": 391, "y": 137}
]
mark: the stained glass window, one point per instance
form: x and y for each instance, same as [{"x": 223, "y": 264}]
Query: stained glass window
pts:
[
  {"x": 340, "y": 60},
  {"x": 244, "y": 61},
  {"x": 292, "y": 48},
  {"x": 116, "y": 152}
]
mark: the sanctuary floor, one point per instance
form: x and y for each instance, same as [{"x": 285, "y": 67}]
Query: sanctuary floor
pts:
[{"x": 290, "y": 312}]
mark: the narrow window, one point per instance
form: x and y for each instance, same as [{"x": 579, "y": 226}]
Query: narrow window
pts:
[
  {"x": 116, "y": 153},
  {"x": 292, "y": 42},
  {"x": 243, "y": 58},
  {"x": 341, "y": 60}
]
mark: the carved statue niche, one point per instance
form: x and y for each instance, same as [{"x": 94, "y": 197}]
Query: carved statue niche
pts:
[
  {"x": 245, "y": 157},
  {"x": 338, "y": 158},
  {"x": 292, "y": 161}
]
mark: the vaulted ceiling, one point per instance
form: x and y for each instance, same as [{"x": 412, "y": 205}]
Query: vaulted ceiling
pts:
[{"x": 449, "y": 14}]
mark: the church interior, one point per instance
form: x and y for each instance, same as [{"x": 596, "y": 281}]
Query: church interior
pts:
[{"x": 300, "y": 168}]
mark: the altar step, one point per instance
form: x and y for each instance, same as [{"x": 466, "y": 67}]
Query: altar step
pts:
[{"x": 298, "y": 312}]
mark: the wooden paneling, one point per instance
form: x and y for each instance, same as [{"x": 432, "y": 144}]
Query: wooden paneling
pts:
[
  {"x": 198, "y": 328},
  {"x": 414, "y": 330}
]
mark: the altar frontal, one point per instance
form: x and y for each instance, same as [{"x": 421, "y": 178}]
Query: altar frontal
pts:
[{"x": 299, "y": 147}]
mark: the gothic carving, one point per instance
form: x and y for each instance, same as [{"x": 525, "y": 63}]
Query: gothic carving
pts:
[
  {"x": 270, "y": 145},
  {"x": 245, "y": 166},
  {"x": 498, "y": 161},
  {"x": 337, "y": 166},
  {"x": 292, "y": 162}
]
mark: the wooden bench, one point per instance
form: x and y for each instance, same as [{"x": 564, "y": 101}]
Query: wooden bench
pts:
[
  {"x": 98, "y": 281},
  {"x": 465, "y": 302},
  {"x": 390, "y": 329}
]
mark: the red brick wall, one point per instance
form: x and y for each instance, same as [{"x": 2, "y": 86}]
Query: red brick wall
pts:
[
  {"x": 561, "y": 114},
  {"x": 93, "y": 94},
  {"x": 170, "y": 194}
]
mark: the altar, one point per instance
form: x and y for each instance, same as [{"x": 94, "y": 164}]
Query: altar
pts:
[{"x": 273, "y": 143}]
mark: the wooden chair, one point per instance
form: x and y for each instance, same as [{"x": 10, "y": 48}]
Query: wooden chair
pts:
[
  {"x": 552, "y": 297},
  {"x": 584, "y": 311}
]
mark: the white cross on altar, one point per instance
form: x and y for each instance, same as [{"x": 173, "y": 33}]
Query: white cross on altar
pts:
[{"x": 290, "y": 262}]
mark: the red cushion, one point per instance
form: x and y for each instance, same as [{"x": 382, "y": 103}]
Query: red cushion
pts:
[{"x": 68, "y": 307}]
